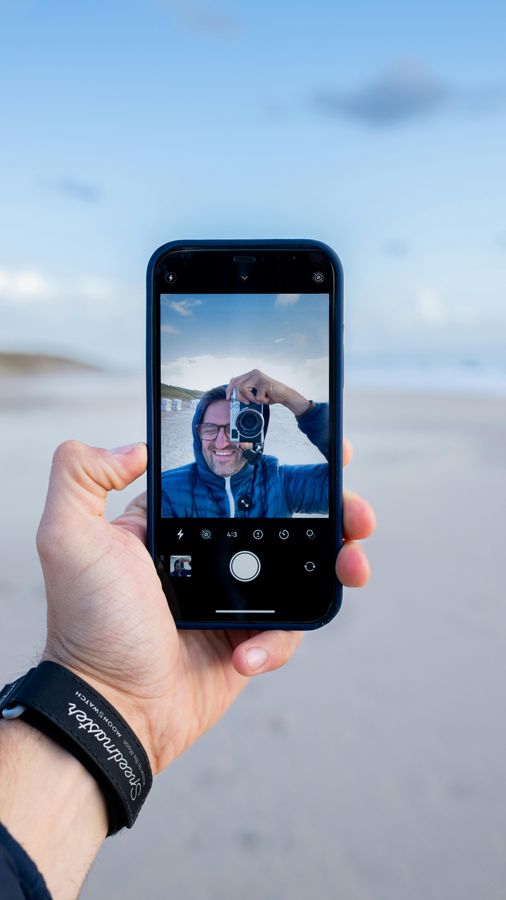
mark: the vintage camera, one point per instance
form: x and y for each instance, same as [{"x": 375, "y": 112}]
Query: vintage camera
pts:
[{"x": 246, "y": 421}]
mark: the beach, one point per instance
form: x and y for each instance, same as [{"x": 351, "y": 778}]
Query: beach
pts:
[{"x": 373, "y": 766}]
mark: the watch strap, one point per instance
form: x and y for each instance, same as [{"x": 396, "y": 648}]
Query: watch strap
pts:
[{"x": 67, "y": 709}]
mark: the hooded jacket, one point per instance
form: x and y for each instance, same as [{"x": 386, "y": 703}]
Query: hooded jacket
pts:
[{"x": 265, "y": 489}]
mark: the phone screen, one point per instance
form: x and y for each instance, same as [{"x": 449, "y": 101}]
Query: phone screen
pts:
[{"x": 246, "y": 418}]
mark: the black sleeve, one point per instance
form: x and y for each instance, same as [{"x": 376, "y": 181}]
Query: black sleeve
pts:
[{"x": 20, "y": 878}]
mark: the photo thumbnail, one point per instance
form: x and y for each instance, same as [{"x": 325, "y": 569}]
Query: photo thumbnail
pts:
[{"x": 180, "y": 566}]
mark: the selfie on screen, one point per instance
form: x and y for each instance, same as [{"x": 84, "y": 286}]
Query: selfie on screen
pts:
[{"x": 244, "y": 405}]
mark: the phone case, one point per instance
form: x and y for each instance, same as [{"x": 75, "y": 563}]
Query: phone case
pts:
[{"x": 241, "y": 245}]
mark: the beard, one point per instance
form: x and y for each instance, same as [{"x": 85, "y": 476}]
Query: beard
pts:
[{"x": 225, "y": 461}]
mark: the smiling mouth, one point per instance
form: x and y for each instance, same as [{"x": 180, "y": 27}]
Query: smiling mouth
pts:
[{"x": 224, "y": 453}]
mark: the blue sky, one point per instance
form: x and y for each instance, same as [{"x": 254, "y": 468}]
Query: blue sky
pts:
[
  {"x": 207, "y": 339},
  {"x": 379, "y": 128}
]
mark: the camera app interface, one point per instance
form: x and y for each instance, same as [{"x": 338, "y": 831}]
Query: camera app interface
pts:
[
  {"x": 244, "y": 405},
  {"x": 244, "y": 434}
]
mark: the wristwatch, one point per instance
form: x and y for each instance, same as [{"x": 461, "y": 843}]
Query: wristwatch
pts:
[{"x": 67, "y": 709}]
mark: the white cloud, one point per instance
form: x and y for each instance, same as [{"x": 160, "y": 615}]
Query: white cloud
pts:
[
  {"x": 279, "y": 340},
  {"x": 286, "y": 299},
  {"x": 31, "y": 286},
  {"x": 318, "y": 363},
  {"x": 80, "y": 314},
  {"x": 183, "y": 307},
  {"x": 26, "y": 285},
  {"x": 452, "y": 312},
  {"x": 431, "y": 308},
  {"x": 170, "y": 329},
  {"x": 309, "y": 376},
  {"x": 97, "y": 289}
]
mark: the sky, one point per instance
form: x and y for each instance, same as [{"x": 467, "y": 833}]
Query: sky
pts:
[
  {"x": 207, "y": 339},
  {"x": 378, "y": 128}
]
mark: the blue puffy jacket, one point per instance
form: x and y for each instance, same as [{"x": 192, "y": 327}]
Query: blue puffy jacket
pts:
[{"x": 266, "y": 489}]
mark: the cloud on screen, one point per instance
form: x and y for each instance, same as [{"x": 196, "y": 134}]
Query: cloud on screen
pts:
[
  {"x": 309, "y": 376},
  {"x": 182, "y": 307},
  {"x": 286, "y": 299}
]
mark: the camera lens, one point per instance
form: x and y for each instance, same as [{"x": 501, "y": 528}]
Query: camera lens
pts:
[{"x": 249, "y": 424}]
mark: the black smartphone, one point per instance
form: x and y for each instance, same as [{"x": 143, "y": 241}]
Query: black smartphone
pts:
[{"x": 244, "y": 385}]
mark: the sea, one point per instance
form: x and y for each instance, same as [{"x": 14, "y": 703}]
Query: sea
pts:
[{"x": 440, "y": 375}]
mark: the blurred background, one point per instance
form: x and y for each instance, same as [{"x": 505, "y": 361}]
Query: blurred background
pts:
[{"x": 373, "y": 766}]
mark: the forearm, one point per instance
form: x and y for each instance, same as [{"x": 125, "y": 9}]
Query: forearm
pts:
[
  {"x": 295, "y": 402},
  {"x": 51, "y": 805}
]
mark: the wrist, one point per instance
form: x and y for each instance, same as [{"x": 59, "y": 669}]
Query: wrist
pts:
[
  {"x": 70, "y": 824},
  {"x": 69, "y": 710},
  {"x": 298, "y": 404},
  {"x": 130, "y": 708}
]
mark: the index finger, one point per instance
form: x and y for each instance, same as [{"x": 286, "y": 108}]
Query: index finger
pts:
[
  {"x": 347, "y": 451},
  {"x": 138, "y": 504}
]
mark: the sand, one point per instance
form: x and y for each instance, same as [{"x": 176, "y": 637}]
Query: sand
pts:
[{"x": 373, "y": 767}]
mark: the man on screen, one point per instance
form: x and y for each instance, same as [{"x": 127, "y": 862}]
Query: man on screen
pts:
[{"x": 228, "y": 479}]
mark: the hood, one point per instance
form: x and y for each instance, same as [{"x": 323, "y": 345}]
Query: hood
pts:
[{"x": 204, "y": 469}]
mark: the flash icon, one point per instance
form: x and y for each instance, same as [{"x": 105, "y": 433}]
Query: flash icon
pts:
[{"x": 180, "y": 533}]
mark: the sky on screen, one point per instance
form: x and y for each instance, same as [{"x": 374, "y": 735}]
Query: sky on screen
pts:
[{"x": 207, "y": 339}]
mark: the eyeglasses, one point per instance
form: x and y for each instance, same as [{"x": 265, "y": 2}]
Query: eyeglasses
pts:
[{"x": 208, "y": 431}]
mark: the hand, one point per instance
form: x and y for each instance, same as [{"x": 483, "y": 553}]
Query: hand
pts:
[
  {"x": 268, "y": 391},
  {"x": 108, "y": 618}
]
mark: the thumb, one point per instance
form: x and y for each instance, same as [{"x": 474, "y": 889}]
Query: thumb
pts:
[{"x": 81, "y": 477}]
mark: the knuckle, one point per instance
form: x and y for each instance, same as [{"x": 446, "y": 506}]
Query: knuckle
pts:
[
  {"x": 67, "y": 450},
  {"x": 293, "y": 642},
  {"x": 287, "y": 649},
  {"x": 48, "y": 538},
  {"x": 40, "y": 539}
]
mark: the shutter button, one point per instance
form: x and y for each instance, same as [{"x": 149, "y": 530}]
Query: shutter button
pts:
[{"x": 245, "y": 565}]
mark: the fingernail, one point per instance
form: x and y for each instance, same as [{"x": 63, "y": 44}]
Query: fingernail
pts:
[
  {"x": 127, "y": 448},
  {"x": 256, "y": 658}
]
